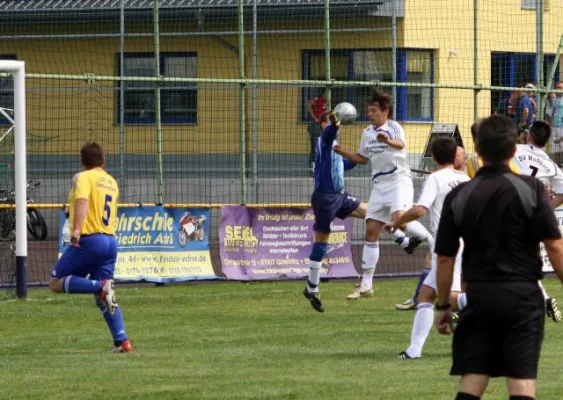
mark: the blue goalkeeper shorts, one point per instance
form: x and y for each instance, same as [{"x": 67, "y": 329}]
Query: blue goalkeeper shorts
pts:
[
  {"x": 328, "y": 206},
  {"x": 95, "y": 256}
]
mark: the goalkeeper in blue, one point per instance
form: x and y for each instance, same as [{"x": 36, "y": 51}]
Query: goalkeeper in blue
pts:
[
  {"x": 93, "y": 251},
  {"x": 329, "y": 201}
]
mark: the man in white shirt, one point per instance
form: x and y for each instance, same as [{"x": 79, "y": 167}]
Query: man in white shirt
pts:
[
  {"x": 436, "y": 187},
  {"x": 383, "y": 146},
  {"x": 460, "y": 164},
  {"x": 532, "y": 160}
]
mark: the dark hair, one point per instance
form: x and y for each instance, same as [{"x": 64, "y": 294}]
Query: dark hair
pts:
[
  {"x": 324, "y": 116},
  {"x": 475, "y": 129},
  {"x": 92, "y": 155},
  {"x": 443, "y": 150},
  {"x": 540, "y": 133},
  {"x": 382, "y": 99},
  {"x": 496, "y": 139}
]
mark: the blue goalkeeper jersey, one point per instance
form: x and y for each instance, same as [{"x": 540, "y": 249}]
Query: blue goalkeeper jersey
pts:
[{"x": 329, "y": 166}]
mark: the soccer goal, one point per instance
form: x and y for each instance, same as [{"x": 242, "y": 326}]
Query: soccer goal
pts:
[{"x": 15, "y": 219}]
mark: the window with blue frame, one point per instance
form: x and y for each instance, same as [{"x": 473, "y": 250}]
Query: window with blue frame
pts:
[
  {"x": 514, "y": 70},
  {"x": 7, "y": 91},
  {"x": 413, "y": 104},
  {"x": 178, "y": 101}
]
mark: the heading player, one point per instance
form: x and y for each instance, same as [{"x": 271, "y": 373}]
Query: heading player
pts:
[
  {"x": 93, "y": 211},
  {"x": 383, "y": 146},
  {"x": 435, "y": 189}
]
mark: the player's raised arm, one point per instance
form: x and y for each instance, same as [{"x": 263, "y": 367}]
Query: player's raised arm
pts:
[
  {"x": 397, "y": 143},
  {"x": 356, "y": 158},
  {"x": 330, "y": 132}
]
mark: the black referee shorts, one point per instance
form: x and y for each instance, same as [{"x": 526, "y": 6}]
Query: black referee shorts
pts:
[{"x": 500, "y": 332}]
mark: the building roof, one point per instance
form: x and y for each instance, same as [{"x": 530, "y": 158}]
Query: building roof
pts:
[
  {"x": 89, "y": 5},
  {"x": 48, "y": 11}
]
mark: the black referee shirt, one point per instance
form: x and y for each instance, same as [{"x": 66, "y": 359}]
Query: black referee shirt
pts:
[{"x": 502, "y": 218}]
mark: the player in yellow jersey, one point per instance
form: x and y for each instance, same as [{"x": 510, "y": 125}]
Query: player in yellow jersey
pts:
[
  {"x": 93, "y": 208},
  {"x": 474, "y": 162}
]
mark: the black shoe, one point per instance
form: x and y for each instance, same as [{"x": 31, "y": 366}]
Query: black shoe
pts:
[
  {"x": 314, "y": 300},
  {"x": 403, "y": 356},
  {"x": 413, "y": 244}
]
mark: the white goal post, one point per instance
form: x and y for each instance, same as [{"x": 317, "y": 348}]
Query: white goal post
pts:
[{"x": 17, "y": 70}]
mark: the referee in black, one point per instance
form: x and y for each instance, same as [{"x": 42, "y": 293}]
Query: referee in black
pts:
[{"x": 502, "y": 218}]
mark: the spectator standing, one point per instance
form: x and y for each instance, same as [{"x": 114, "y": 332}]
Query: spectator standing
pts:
[{"x": 555, "y": 143}]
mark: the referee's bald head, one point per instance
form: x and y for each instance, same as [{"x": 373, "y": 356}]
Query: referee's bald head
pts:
[{"x": 496, "y": 139}]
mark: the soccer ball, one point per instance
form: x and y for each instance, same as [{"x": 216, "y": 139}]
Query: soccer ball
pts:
[{"x": 346, "y": 113}]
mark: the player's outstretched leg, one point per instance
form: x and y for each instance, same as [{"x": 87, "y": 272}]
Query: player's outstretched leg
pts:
[
  {"x": 419, "y": 234},
  {"x": 551, "y": 307},
  {"x": 75, "y": 284},
  {"x": 311, "y": 292},
  {"x": 116, "y": 326},
  {"x": 410, "y": 304}
]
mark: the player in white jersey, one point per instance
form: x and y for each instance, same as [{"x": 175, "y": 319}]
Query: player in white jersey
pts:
[
  {"x": 531, "y": 159},
  {"x": 383, "y": 146},
  {"x": 435, "y": 189},
  {"x": 460, "y": 164}
]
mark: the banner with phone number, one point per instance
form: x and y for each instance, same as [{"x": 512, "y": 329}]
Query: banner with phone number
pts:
[
  {"x": 158, "y": 244},
  {"x": 546, "y": 264},
  {"x": 275, "y": 243}
]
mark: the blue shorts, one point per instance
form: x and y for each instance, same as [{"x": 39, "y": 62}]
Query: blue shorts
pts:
[
  {"x": 95, "y": 256},
  {"x": 328, "y": 206}
]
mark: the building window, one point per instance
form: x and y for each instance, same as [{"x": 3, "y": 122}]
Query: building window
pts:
[
  {"x": 7, "y": 92},
  {"x": 178, "y": 101},
  {"x": 517, "y": 69},
  {"x": 532, "y": 4},
  {"x": 413, "y": 104}
]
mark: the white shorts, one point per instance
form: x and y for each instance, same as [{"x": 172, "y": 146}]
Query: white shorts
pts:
[
  {"x": 456, "y": 283},
  {"x": 389, "y": 197}
]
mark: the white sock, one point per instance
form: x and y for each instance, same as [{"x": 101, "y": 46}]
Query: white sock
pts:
[
  {"x": 367, "y": 279},
  {"x": 416, "y": 229},
  {"x": 461, "y": 301},
  {"x": 423, "y": 321},
  {"x": 370, "y": 257},
  {"x": 314, "y": 276},
  {"x": 399, "y": 234},
  {"x": 543, "y": 291}
]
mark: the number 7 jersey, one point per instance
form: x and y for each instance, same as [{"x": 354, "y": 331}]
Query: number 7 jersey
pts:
[
  {"x": 102, "y": 192},
  {"x": 533, "y": 161}
]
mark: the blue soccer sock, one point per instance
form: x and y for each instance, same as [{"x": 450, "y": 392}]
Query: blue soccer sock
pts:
[
  {"x": 77, "y": 284},
  {"x": 419, "y": 284},
  {"x": 114, "y": 322}
]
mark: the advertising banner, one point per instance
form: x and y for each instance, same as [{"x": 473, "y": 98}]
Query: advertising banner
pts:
[
  {"x": 275, "y": 243},
  {"x": 158, "y": 244}
]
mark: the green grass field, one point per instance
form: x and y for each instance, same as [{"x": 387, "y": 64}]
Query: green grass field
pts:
[{"x": 234, "y": 341}]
